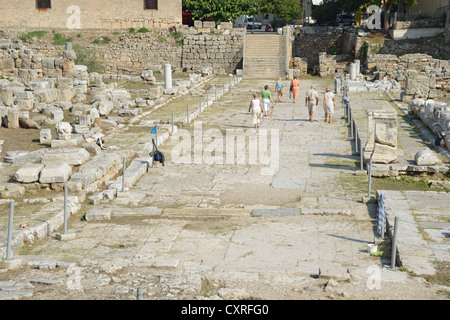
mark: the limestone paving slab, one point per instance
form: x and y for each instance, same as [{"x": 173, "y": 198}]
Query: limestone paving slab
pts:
[
  {"x": 419, "y": 208},
  {"x": 164, "y": 225}
]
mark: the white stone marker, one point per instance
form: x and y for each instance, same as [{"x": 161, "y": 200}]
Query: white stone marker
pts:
[{"x": 167, "y": 76}]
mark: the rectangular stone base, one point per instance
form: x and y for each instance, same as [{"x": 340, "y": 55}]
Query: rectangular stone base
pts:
[
  {"x": 12, "y": 264},
  {"x": 123, "y": 194},
  {"x": 65, "y": 236},
  {"x": 366, "y": 199}
]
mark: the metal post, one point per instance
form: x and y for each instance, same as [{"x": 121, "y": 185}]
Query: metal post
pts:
[
  {"x": 123, "y": 173},
  {"x": 65, "y": 209},
  {"x": 356, "y": 139},
  {"x": 207, "y": 99},
  {"x": 351, "y": 128},
  {"x": 223, "y": 89},
  {"x": 139, "y": 294},
  {"x": 215, "y": 93},
  {"x": 394, "y": 243},
  {"x": 10, "y": 226},
  {"x": 173, "y": 125},
  {"x": 361, "y": 153},
  {"x": 188, "y": 113},
  {"x": 349, "y": 111},
  {"x": 370, "y": 178}
]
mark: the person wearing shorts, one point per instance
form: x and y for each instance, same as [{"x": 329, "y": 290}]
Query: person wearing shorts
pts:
[
  {"x": 328, "y": 105},
  {"x": 266, "y": 100},
  {"x": 256, "y": 108},
  {"x": 311, "y": 101},
  {"x": 280, "y": 89}
]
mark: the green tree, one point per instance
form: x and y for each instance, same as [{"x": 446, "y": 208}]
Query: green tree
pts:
[
  {"x": 329, "y": 7},
  {"x": 286, "y": 10},
  {"x": 391, "y": 4},
  {"x": 325, "y": 13},
  {"x": 220, "y": 10}
]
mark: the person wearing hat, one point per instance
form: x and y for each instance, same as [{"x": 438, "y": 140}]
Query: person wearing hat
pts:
[{"x": 328, "y": 105}]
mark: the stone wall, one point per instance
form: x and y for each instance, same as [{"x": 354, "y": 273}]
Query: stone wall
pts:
[
  {"x": 422, "y": 75},
  {"x": 218, "y": 49},
  {"x": 436, "y": 115},
  {"x": 85, "y": 14},
  {"x": 299, "y": 67},
  {"x": 310, "y": 41},
  {"x": 418, "y": 24},
  {"x": 132, "y": 53},
  {"x": 332, "y": 64},
  {"x": 216, "y": 52}
]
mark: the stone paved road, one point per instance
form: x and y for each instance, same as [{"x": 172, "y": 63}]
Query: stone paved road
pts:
[{"x": 303, "y": 218}]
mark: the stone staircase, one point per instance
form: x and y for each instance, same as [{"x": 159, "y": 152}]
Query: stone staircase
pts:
[{"x": 265, "y": 56}]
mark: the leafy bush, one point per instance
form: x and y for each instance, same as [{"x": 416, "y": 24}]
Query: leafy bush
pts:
[
  {"x": 88, "y": 58},
  {"x": 59, "y": 40},
  {"x": 143, "y": 30},
  {"x": 325, "y": 13},
  {"x": 176, "y": 35},
  {"x": 102, "y": 40},
  {"x": 33, "y": 34}
]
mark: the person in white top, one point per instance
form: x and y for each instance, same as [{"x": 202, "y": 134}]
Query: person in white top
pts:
[
  {"x": 328, "y": 105},
  {"x": 256, "y": 108}
]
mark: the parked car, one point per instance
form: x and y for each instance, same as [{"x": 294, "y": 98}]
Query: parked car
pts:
[
  {"x": 346, "y": 19},
  {"x": 248, "y": 22},
  {"x": 253, "y": 24}
]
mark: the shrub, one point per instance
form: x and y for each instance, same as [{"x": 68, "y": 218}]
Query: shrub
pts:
[
  {"x": 132, "y": 30},
  {"x": 143, "y": 30},
  {"x": 33, "y": 34},
  {"x": 59, "y": 40},
  {"x": 176, "y": 35},
  {"x": 102, "y": 40},
  {"x": 161, "y": 38},
  {"x": 88, "y": 58}
]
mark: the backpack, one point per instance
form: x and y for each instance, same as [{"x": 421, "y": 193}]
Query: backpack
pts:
[{"x": 157, "y": 155}]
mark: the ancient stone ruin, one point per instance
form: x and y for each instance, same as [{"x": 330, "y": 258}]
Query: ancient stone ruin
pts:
[
  {"x": 78, "y": 106},
  {"x": 381, "y": 145}
]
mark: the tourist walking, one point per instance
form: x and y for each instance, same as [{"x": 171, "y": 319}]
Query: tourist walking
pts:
[
  {"x": 295, "y": 84},
  {"x": 266, "y": 100},
  {"x": 311, "y": 101},
  {"x": 280, "y": 89},
  {"x": 256, "y": 108},
  {"x": 328, "y": 105}
]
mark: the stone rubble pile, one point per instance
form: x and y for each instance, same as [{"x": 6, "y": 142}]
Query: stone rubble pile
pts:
[
  {"x": 38, "y": 91},
  {"x": 436, "y": 115},
  {"x": 422, "y": 75},
  {"x": 377, "y": 85}
]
